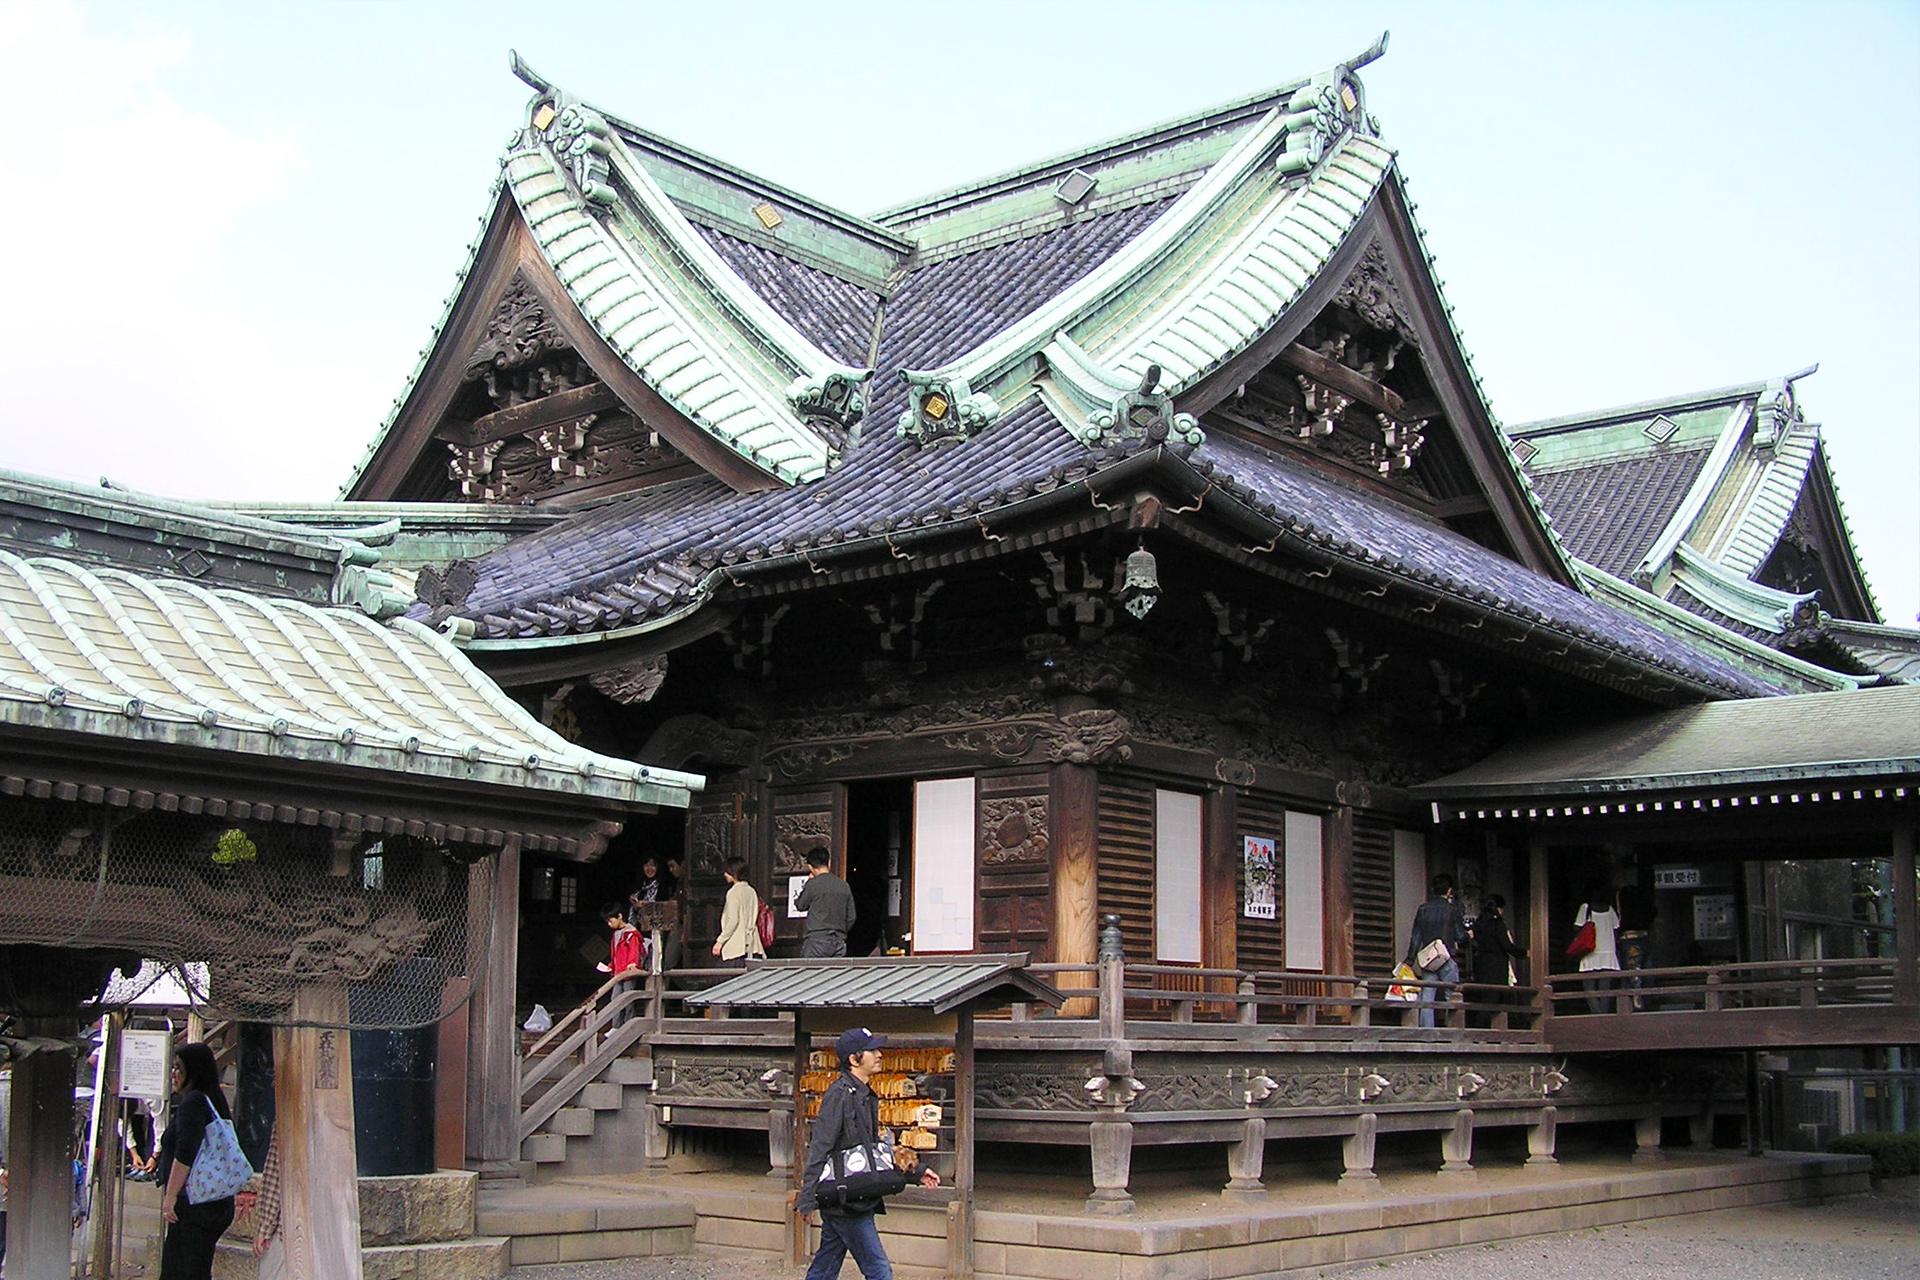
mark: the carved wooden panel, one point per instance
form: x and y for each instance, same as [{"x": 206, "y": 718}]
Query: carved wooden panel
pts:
[
  {"x": 801, "y": 820},
  {"x": 1015, "y": 863}
]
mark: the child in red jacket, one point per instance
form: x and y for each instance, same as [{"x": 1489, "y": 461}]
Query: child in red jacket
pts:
[{"x": 628, "y": 955}]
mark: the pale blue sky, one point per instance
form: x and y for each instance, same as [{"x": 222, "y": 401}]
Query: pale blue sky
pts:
[{"x": 235, "y": 224}]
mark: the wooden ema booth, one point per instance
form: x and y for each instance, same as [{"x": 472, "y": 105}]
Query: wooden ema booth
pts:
[{"x": 926, "y": 1005}]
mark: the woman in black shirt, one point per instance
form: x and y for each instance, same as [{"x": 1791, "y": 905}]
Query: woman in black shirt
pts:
[{"x": 192, "y": 1229}]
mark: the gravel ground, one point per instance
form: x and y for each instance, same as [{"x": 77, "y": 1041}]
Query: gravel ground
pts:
[{"x": 1864, "y": 1237}]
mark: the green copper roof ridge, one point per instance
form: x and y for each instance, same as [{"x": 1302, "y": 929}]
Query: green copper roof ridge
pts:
[
  {"x": 1747, "y": 654},
  {"x": 1712, "y": 472},
  {"x": 1684, "y": 402},
  {"x": 1026, "y": 174},
  {"x": 1753, "y": 603},
  {"x": 320, "y": 546},
  {"x": 851, "y": 223},
  {"x": 1035, "y": 330}
]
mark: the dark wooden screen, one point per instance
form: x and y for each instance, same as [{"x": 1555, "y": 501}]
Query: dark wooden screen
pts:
[
  {"x": 1375, "y": 949},
  {"x": 1127, "y": 862}
]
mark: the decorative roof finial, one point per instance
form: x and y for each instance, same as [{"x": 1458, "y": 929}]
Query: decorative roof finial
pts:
[{"x": 527, "y": 75}]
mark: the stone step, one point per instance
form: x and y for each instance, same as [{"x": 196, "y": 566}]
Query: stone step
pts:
[
  {"x": 629, "y": 1071},
  {"x": 576, "y": 1122},
  {"x": 545, "y": 1148},
  {"x": 604, "y": 1095},
  {"x": 480, "y": 1258},
  {"x": 580, "y": 1222},
  {"x": 417, "y": 1208}
]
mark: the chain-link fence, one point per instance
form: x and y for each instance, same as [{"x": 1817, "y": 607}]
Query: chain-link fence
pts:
[{"x": 265, "y": 908}]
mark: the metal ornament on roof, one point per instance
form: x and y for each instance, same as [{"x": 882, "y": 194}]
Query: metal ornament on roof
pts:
[
  {"x": 1145, "y": 413},
  {"x": 833, "y": 402},
  {"x": 943, "y": 408},
  {"x": 579, "y": 139}
]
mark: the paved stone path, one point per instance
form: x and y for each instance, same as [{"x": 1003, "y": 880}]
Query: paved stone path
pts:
[{"x": 1867, "y": 1237}]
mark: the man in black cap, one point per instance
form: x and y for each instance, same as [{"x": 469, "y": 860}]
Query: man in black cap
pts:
[{"x": 849, "y": 1115}]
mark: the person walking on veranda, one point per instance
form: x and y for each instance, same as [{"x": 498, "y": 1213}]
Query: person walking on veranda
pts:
[
  {"x": 739, "y": 919},
  {"x": 828, "y": 904},
  {"x": 1438, "y": 919},
  {"x": 849, "y": 1115}
]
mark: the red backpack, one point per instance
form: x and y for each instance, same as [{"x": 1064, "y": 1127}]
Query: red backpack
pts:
[{"x": 763, "y": 921}]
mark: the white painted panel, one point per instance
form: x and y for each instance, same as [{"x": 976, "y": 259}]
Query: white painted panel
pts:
[
  {"x": 1305, "y": 889},
  {"x": 1409, "y": 882},
  {"x": 943, "y": 888},
  {"x": 1176, "y": 877}
]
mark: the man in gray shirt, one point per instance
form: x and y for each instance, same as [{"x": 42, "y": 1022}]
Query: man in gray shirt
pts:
[{"x": 829, "y": 907}]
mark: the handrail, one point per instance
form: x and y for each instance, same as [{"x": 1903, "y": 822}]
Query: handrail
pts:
[
  {"x": 1753, "y": 984},
  {"x": 580, "y": 1009}
]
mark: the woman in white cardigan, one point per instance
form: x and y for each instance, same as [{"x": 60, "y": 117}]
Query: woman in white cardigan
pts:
[
  {"x": 739, "y": 918},
  {"x": 1604, "y": 960}
]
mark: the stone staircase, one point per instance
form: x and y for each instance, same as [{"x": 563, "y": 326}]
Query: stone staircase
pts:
[
  {"x": 420, "y": 1227},
  {"x": 601, "y": 1130},
  {"x": 584, "y": 1219}
]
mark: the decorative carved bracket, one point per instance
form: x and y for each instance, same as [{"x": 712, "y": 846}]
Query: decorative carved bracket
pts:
[{"x": 633, "y": 682}]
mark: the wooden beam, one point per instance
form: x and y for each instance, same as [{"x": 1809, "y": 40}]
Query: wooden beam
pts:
[
  {"x": 1773, "y": 1027},
  {"x": 313, "y": 1105},
  {"x": 40, "y": 1169},
  {"x": 493, "y": 1063},
  {"x": 1350, "y": 381},
  {"x": 1336, "y": 891},
  {"x": 519, "y": 419},
  {"x": 960, "y": 1221},
  {"x": 1076, "y": 923}
]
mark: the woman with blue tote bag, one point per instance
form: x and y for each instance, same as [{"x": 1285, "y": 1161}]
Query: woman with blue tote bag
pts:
[{"x": 200, "y": 1167}]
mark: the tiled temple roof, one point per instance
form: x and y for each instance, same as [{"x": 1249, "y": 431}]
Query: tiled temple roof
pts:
[{"x": 1610, "y": 513}]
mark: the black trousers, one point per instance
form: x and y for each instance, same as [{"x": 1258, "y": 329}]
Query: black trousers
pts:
[{"x": 188, "y": 1251}]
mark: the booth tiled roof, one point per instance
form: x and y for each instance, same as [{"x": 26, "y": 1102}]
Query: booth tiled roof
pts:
[{"x": 937, "y": 984}]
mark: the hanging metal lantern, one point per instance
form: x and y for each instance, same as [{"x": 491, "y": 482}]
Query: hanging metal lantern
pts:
[{"x": 1140, "y": 585}]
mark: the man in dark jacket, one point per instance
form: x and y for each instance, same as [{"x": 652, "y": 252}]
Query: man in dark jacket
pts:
[
  {"x": 1439, "y": 918},
  {"x": 828, "y": 903},
  {"x": 849, "y": 1115}
]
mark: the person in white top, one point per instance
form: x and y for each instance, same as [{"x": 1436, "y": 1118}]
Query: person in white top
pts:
[
  {"x": 739, "y": 918},
  {"x": 1604, "y": 959}
]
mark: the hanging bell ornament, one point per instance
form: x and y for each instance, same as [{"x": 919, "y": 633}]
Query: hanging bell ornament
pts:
[{"x": 1140, "y": 586}]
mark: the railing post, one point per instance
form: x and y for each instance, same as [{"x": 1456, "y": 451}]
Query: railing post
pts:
[
  {"x": 1249, "y": 1009},
  {"x": 1710, "y": 998},
  {"x": 1113, "y": 965},
  {"x": 1362, "y": 1005}
]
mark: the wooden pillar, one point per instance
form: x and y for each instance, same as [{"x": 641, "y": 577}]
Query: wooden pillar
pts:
[
  {"x": 1076, "y": 892},
  {"x": 1646, "y": 1139},
  {"x": 313, "y": 1105},
  {"x": 1112, "y": 1143},
  {"x": 1337, "y": 891},
  {"x": 1356, "y": 1152},
  {"x": 1538, "y": 921},
  {"x": 1541, "y": 1138},
  {"x": 1220, "y": 880},
  {"x": 450, "y": 1077},
  {"x": 1246, "y": 1162},
  {"x": 493, "y": 1058},
  {"x": 40, "y": 1141},
  {"x": 1456, "y": 1144},
  {"x": 960, "y": 1211},
  {"x": 797, "y": 1249},
  {"x": 1906, "y": 918}
]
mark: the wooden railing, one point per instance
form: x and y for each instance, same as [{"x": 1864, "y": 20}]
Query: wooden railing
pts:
[
  {"x": 1773, "y": 984},
  {"x": 1187, "y": 995}
]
